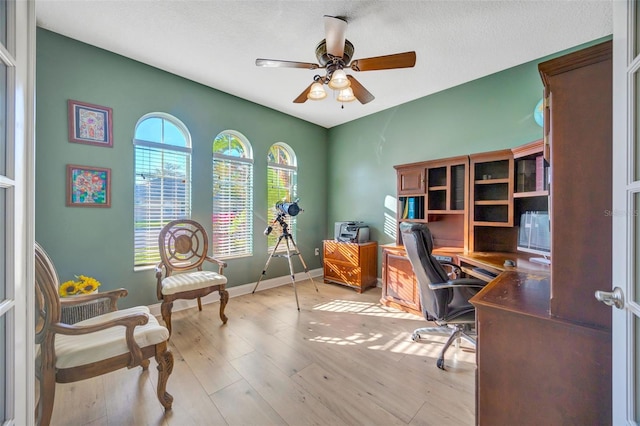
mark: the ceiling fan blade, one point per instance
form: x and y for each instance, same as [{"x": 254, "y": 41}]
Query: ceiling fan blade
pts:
[
  {"x": 276, "y": 63},
  {"x": 302, "y": 98},
  {"x": 361, "y": 94},
  {"x": 398, "y": 60},
  {"x": 335, "y": 30}
]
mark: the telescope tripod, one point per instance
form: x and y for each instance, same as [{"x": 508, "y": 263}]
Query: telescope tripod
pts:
[{"x": 292, "y": 250}]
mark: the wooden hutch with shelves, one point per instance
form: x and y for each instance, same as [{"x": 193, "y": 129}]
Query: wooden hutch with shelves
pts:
[
  {"x": 434, "y": 192},
  {"x": 472, "y": 204},
  {"x": 544, "y": 342},
  {"x": 531, "y": 328}
]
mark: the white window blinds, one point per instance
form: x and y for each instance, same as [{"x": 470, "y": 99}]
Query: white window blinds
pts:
[
  {"x": 281, "y": 182},
  {"x": 281, "y": 186},
  {"x": 162, "y": 190},
  {"x": 232, "y": 197}
]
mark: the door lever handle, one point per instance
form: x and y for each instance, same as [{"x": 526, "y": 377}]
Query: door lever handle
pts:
[{"x": 611, "y": 298}]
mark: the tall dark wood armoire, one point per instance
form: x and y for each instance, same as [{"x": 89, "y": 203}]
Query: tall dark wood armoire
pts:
[{"x": 544, "y": 345}]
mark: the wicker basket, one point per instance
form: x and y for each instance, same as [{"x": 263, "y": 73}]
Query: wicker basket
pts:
[{"x": 73, "y": 314}]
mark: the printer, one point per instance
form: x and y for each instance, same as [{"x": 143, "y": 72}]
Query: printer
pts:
[{"x": 351, "y": 232}]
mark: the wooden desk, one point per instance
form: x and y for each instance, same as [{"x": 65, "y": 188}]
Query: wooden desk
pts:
[
  {"x": 399, "y": 285},
  {"x": 532, "y": 365},
  {"x": 494, "y": 262}
]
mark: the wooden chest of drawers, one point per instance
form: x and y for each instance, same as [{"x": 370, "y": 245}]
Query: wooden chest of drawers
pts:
[{"x": 351, "y": 264}]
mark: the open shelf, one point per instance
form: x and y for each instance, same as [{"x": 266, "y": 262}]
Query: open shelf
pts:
[{"x": 491, "y": 197}]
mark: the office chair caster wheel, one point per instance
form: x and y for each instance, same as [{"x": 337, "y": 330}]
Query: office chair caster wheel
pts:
[{"x": 440, "y": 363}]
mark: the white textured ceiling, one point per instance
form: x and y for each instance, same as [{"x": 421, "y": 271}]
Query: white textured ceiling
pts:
[{"x": 216, "y": 42}]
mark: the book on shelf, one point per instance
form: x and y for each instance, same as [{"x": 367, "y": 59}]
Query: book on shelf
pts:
[
  {"x": 540, "y": 173},
  {"x": 405, "y": 208},
  {"x": 411, "y": 208}
]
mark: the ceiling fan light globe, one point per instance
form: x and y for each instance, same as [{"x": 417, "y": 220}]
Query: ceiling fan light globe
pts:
[
  {"x": 346, "y": 95},
  {"x": 339, "y": 80},
  {"x": 317, "y": 92}
]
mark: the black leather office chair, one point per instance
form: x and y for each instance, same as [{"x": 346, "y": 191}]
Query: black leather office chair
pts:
[{"x": 444, "y": 301}]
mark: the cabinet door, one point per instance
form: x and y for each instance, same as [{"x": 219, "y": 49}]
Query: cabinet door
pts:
[
  {"x": 492, "y": 189},
  {"x": 399, "y": 287},
  {"x": 580, "y": 135},
  {"x": 437, "y": 188},
  {"x": 411, "y": 180},
  {"x": 447, "y": 185}
]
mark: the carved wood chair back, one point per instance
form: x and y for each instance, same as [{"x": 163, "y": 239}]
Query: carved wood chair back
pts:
[{"x": 184, "y": 247}]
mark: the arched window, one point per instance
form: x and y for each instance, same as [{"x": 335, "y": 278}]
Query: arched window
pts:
[
  {"x": 282, "y": 173},
  {"x": 162, "y": 188},
  {"x": 232, "y": 195}
]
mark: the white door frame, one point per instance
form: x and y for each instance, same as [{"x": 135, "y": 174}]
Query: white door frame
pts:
[
  {"x": 18, "y": 188},
  {"x": 626, "y": 219}
]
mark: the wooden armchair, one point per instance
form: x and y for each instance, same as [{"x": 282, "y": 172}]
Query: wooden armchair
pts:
[
  {"x": 91, "y": 347},
  {"x": 183, "y": 247}
]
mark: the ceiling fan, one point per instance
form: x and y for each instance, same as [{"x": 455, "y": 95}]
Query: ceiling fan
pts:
[{"x": 334, "y": 54}]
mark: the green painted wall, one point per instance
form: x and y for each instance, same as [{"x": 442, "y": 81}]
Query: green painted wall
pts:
[
  {"x": 490, "y": 113},
  {"x": 99, "y": 241},
  {"x": 346, "y": 173}
]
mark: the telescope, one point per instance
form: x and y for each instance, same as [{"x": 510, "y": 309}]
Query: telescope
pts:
[{"x": 283, "y": 209}]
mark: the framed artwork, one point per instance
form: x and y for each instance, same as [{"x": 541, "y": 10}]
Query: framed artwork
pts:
[
  {"x": 90, "y": 124},
  {"x": 88, "y": 186}
]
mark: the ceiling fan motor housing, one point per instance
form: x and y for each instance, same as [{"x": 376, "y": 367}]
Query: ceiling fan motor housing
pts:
[{"x": 324, "y": 58}]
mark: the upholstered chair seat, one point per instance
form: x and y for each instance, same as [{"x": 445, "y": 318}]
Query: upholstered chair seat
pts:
[
  {"x": 191, "y": 281},
  {"x": 74, "y": 351}
]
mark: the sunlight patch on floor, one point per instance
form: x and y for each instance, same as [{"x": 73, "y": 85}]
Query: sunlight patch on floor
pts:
[
  {"x": 403, "y": 344},
  {"x": 355, "y": 339},
  {"x": 430, "y": 345},
  {"x": 364, "y": 308}
]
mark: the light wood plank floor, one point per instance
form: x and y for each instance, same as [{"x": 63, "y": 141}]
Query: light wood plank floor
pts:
[{"x": 344, "y": 359}]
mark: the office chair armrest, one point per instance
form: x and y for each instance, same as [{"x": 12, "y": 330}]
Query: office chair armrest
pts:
[
  {"x": 453, "y": 271},
  {"x": 460, "y": 282}
]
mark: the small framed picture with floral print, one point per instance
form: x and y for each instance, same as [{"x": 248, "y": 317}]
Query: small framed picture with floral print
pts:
[
  {"x": 88, "y": 186},
  {"x": 90, "y": 124}
]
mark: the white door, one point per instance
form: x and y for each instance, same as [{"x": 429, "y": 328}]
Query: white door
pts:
[
  {"x": 17, "y": 50},
  {"x": 624, "y": 291}
]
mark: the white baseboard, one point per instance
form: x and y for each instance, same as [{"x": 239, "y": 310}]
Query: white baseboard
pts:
[{"x": 239, "y": 290}]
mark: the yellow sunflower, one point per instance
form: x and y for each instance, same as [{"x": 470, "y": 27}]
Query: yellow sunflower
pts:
[
  {"x": 68, "y": 288},
  {"x": 87, "y": 285}
]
